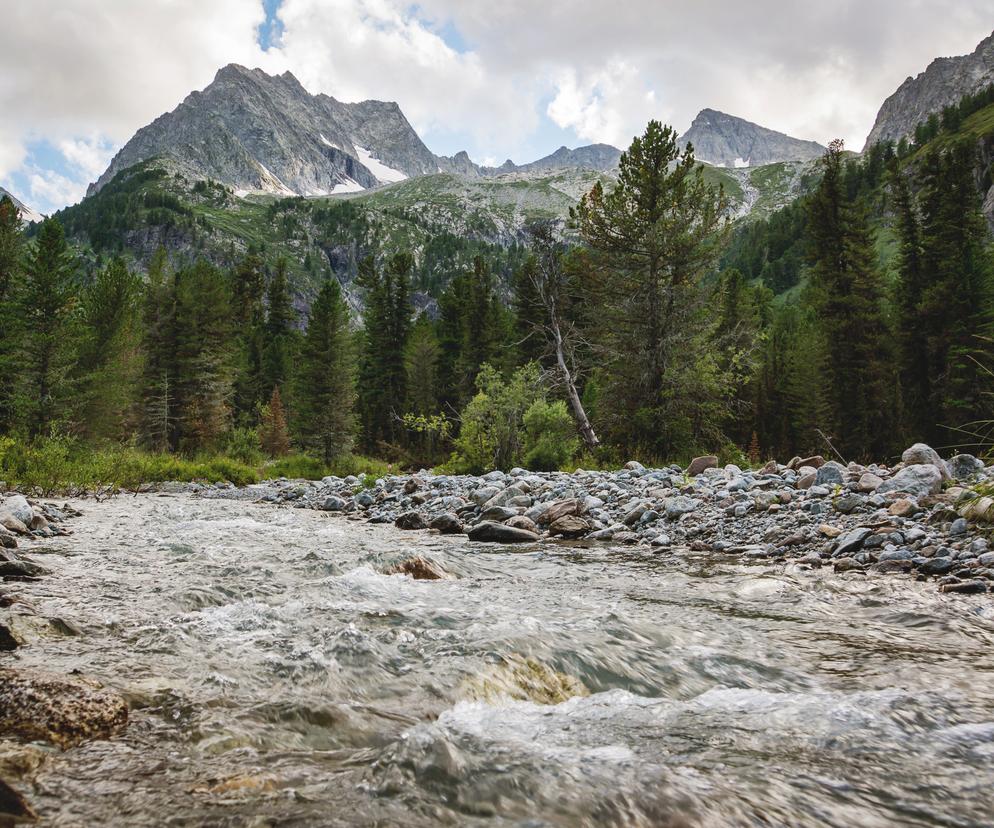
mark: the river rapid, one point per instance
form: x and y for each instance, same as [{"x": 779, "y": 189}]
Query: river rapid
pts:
[{"x": 278, "y": 677}]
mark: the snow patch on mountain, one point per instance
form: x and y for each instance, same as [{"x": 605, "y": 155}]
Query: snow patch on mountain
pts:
[{"x": 382, "y": 173}]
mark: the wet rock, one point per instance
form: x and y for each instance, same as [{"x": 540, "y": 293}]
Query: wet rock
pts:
[
  {"x": 14, "y": 807},
  {"x": 421, "y": 569},
  {"x": 410, "y": 521},
  {"x": 965, "y": 587},
  {"x": 524, "y": 522},
  {"x": 12, "y": 524},
  {"x": 936, "y": 566},
  {"x": 7, "y": 640},
  {"x": 7, "y": 539},
  {"x": 447, "y": 524},
  {"x": 919, "y": 481},
  {"x": 58, "y": 709},
  {"x": 701, "y": 464},
  {"x": 846, "y": 564},
  {"x": 21, "y": 569},
  {"x": 569, "y": 527},
  {"x": 852, "y": 542},
  {"x": 921, "y": 454},
  {"x": 523, "y": 679},
  {"x": 489, "y": 532},
  {"x": 561, "y": 508}
]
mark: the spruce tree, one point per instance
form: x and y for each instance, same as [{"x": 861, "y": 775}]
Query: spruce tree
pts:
[
  {"x": 109, "y": 356},
  {"x": 204, "y": 357},
  {"x": 956, "y": 305},
  {"x": 325, "y": 387},
  {"x": 249, "y": 317},
  {"x": 386, "y": 328},
  {"x": 45, "y": 305},
  {"x": 849, "y": 296},
  {"x": 274, "y": 436},
  {"x": 159, "y": 334}
]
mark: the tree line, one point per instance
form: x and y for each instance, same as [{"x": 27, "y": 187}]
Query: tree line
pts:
[{"x": 630, "y": 334}]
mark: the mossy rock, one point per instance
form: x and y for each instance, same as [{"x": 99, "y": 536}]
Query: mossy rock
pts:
[{"x": 522, "y": 678}]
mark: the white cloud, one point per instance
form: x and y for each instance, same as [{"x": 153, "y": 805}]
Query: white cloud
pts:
[
  {"x": 85, "y": 74},
  {"x": 49, "y": 187}
]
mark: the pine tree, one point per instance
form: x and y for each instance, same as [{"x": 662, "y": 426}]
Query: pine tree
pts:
[
  {"x": 325, "y": 393},
  {"x": 274, "y": 436},
  {"x": 651, "y": 240},
  {"x": 45, "y": 305},
  {"x": 849, "y": 297},
  {"x": 11, "y": 251}
]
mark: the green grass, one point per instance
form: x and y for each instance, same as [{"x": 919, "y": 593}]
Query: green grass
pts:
[{"x": 67, "y": 466}]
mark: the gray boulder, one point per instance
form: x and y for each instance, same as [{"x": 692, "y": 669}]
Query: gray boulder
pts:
[
  {"x": 921, "y": 454},
  {"x": 919, "y": 481},
  {"x": 964, "y": 466},
  {"x": 831, "y": 474},
  {"x": 410, "y": 521},
  {"x": 446, "y": 524},
  {"x": 333, "y": 504},
  {"x": 18, "y": 506},
  {"x": 489, "y": 532},
  {"x": 701, "y": 464}
]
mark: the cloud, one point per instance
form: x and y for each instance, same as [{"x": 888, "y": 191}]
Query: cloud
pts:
[{"x": 514, "y": 78}]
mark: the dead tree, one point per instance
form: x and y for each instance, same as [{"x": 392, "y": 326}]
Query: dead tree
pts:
[{"x": 550, "y": 283}]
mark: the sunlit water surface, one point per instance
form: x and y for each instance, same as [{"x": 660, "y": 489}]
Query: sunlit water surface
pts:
[{"x": 278, "y": 678}]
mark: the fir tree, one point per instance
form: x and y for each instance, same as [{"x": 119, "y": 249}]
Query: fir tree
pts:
[
  {"x": 249, "y": 317},
  {"x": 279, "y": 332},
  {"x": 849, "y": 297},
  {"x": 158, "y": 410},
  {"x": 45, "y": 305},
  {"x": 325, "y": 393}
]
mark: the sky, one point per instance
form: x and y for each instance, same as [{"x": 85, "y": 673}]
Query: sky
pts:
[{"x": 511, "y": 79}]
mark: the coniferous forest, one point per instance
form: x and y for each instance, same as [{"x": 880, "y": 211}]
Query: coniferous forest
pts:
[{"x": 648, "y": 327}]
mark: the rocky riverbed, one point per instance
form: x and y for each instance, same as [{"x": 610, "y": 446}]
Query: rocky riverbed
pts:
[
  {"x": 925, "y": 517},
  {"x": 429, "y": 649}
]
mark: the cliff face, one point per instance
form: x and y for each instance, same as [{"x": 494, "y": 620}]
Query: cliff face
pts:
[{"x": 944, "y": 82}]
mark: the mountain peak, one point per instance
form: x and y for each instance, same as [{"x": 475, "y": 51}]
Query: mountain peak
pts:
[
  {"x": 725, "y": 140},
  {"x": 944, "y": 82}
]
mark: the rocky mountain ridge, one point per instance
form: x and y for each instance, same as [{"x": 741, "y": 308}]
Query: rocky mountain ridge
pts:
[
  {"x": 944, "y": 82},
  {"x": 724, "y": 140}
]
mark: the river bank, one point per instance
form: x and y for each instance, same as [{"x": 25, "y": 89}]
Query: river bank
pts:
[{"x": 924, "y": 517}]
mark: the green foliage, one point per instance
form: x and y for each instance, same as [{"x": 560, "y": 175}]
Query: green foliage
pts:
[
  {"x": 65, "y": 465},
  {"x": 550, "y": 436},
  {"x": 503, "y": 424},
  {"x": 306, "y": 467}
]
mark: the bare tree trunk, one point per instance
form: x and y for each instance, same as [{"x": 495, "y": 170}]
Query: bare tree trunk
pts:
[{"x": 586, "y": 429}]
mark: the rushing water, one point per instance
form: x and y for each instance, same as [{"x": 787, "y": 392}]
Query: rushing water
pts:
[{"x": 277, "y": 677}]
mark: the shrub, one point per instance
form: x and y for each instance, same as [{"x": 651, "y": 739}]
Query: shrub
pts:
[{"x": 550, "y": 436}]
